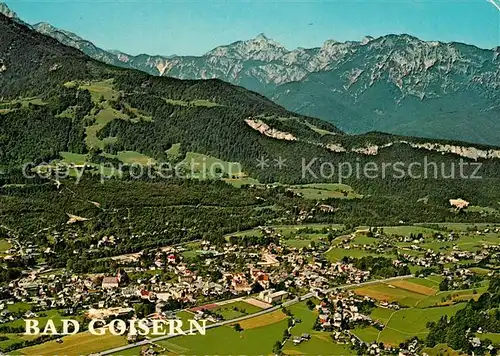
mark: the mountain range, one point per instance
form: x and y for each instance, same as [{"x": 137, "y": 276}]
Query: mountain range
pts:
[
  {"x": 57, "y": 103},
  {"x": 396, "y": 83}
]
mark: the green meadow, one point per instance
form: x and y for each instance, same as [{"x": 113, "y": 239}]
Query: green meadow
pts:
[
  {"x": 236, "y": 310},
  {"x": 225, "y": 340}
]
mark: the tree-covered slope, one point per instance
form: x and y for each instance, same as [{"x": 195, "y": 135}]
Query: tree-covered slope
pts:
[
  {"x": 34, "y": 66},
  {"x": 56, "y": 99}
]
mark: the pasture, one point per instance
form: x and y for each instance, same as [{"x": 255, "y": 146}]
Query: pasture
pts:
[
  {"x": 74, "y": 158},
  {"x": 224, "y": 340},
  {"x": 174, "y": 151},
  {"x": 100, "y": 89},
  {"x": 263, "y": 320},
  {"x": 367, "y": 334},
  {"x": 406, "y": 230},
  {"x": 419, "y": 292},
  {"x": 494, "y": 337},
  {"x": 80, "y": 344},
  {"x": 406, "y": 293},
  {"x": 236, "y": 310},
  {"x": 400, "y": 325},
  {"x": 406, "y": 323}
]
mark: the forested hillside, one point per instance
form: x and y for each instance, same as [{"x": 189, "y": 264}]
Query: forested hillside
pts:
[{"x": 56, "y": 100}]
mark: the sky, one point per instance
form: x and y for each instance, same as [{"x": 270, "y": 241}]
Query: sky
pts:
[{"x": 168, "y": 27}]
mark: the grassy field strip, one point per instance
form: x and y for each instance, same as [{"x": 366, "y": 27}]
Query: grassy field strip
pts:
[
  {"x": 388, "y": 321},
  {"x": 79, "y": 344}
]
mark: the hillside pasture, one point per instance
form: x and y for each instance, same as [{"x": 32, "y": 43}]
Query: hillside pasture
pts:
[
  {"x": 100, "y": 89},
  {"x": 414, "y": 287}
]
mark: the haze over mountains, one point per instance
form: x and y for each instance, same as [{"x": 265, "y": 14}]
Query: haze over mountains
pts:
[{"x": 396, "y": 83}]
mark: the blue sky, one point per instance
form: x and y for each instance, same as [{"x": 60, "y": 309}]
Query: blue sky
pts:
[{"x": 194, "y": 27}]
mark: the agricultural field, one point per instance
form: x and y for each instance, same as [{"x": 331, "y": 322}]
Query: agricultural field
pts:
[
  {"x": 132, "y": 157},
  {"x": 389, "y": 293},
  {"x": 256, "y": 339},
  {"x": 289, "y": 231},
  {"x": 191, "y": 250},
  {"x": 418, "y": 292},
  {"x": 74, "y": 158},
  {"x": 262, "y": 320},
  {"x": 459, "y": 226},
  {"x": 318, "y": 130},
  {"x": 235, "y": 310},
  {"x": 494, "y": 337},
  {"x": 14, "y": 339},
  {"x": 79, "y": 344},
  {"x": 104, "y": 116},
  {"x": 368, "y": 334},
  {"x": 185, "y": 316},
  {"x": 407, "y": 230},
  {"x": 7, "y": 106},
  {"x": 414, "y": 241},
  {"x": 239, "y": 182},
  {"x": 423, "y": 302},
  {"x": 400, "y": 325},
  {"x": 405, "y": 323}
]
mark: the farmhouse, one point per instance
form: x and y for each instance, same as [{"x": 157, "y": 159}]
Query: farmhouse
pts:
[{"x": 109, "y": 283}]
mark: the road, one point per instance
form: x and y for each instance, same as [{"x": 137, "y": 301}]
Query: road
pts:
[{"x": 262, "y": 312}]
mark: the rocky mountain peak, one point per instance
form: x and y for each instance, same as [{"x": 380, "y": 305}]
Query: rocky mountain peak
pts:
[
  {"x": 4, "y": 9},
  {"x": 367, "y": 39},
  {"x": 48, "y": 29},
  {"x": 259, "y": 48}
]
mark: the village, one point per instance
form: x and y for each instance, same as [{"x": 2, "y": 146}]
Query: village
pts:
[{"x": 246, "y": 275}]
